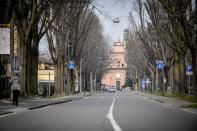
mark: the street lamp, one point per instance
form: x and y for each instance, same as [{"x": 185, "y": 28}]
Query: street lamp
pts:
[{"x": 116, "y": 20}]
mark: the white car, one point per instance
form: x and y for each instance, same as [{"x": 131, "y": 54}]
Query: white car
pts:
[
  {"x": 128, "y": 88},
  {"x": 112, "y": 89}
]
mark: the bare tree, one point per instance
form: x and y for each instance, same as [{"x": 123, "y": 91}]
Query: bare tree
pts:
[
  {"x": 27, "y": 18},
  {"x": 94, "y": 52}
]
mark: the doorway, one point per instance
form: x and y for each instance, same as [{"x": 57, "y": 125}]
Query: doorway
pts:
[{"x": 117, "y": 85}]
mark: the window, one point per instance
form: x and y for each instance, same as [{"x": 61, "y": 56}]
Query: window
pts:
[{"x": 118, "y": 63}]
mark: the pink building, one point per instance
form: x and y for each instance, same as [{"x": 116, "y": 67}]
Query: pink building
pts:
[{"x": 116, "y": 71}]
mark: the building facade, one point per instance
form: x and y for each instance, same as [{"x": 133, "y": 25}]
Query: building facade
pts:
[{"x": 116, "y": 71}]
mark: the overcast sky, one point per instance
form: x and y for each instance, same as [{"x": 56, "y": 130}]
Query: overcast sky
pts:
[
  {"x": 4, "y": 40},
  {"x": 114, "y": 8}
]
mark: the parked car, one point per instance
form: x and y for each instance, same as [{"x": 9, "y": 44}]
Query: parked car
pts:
[
  {"x": 128, "y": 88},
  {"x": 112, "y": 89},
  {"x": 105, "y": 89}
]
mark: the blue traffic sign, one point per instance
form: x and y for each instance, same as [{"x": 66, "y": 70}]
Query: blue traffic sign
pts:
[
  {"x": 143, "y": 83},
  {"x": 71, "y": 66},
  {"x": 160, "y": 64},
  {"x": 189, "y": 68}
]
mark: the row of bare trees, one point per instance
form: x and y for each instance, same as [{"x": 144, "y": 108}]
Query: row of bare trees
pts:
[
  {"x": 94, "y": 56},
  {"x": 166, "y": 31},
  {"x": 68, "y": 26},
  {"x": 75, "y": 35}
]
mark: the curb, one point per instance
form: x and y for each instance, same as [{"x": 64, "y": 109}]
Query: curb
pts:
[
  {"x": 5, "y": 113},
  {"x": 57, "y": 102},
  {"x": 155, "y": 98},
  {"x": 158, "y": 100},
  {"x": 88, "y": 95},
  {"x": 53, "y": 103}
]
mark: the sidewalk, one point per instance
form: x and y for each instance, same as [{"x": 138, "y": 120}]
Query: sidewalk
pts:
[
  {"x": 6, "y": 106},
  {"x": 170, "y": 102}
]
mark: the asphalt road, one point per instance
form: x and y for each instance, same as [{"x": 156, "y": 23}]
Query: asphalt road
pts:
[{"x": 103, "y": 112}]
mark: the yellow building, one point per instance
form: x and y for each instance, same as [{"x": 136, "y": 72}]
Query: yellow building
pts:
[
  {"x": 45, "y": 77},
  {"x": 45, "y": 70},
  {"x": 116, "y": 71}
]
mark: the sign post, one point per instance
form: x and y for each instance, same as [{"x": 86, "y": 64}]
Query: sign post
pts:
[
  {"x": 189, "y": 73},
  {"x": 143, "y": 84},
  {"x": 148, "y": 82},
  {"x": 160, "y": 66},
  {"x": 71, "y": 66}
]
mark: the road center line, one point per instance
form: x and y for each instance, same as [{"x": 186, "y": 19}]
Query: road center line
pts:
[{"x": 115, "y": 125}]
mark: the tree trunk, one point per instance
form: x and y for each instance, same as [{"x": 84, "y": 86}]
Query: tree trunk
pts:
[
  {"x": 33, "y": 70},
  {"x": 179, "y": 78},
  {"x": 159, "y": 81},
  {"x": 156, "y": 81},
  {"x": 167, "y": 76},
  {"x": 62, "y": 87},
  {"x": 86, "y": 82},
  {"x": 29, "y": 64},
  {"x": 23, "y": 66},
  {"x": 171, "y": 78},
  {"x": 152, "y": 80},
  {"x": 59, "y": 80},
  {"x": 194, "y": 67},
  {"x": 68, "y": 84},
  {"x": 72, "y": 81}
]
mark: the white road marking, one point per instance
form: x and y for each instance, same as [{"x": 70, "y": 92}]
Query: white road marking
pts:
[
  {"x": 90, "y": 97},
  {"x": 102, "y": 97},
  {"x": 115, "y": 125}
]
